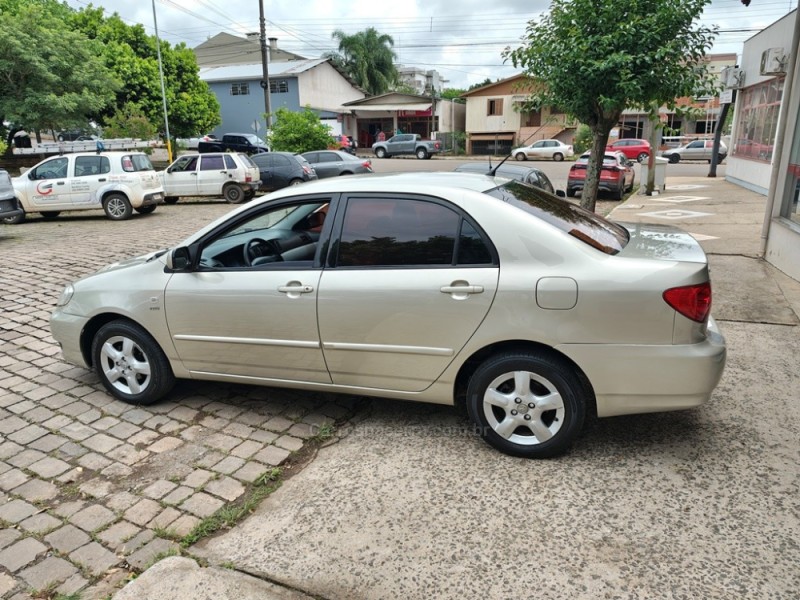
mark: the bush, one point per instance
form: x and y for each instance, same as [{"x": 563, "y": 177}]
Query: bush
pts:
[
  {"x": 299, "y": 132},
  {"x": 583, "y": 139}
]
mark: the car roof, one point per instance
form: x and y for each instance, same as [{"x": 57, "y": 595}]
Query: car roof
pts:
[
  {"x": 395, "y": 182},
  {"x": 485, "y": 167}
]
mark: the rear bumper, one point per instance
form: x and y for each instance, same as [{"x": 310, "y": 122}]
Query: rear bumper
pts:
[
  {"x": 603, "y": 186},
  {"x": 9, "y": 208},
  {"x": 154, "y": 198},
  {"x": 634, "y": 379}
]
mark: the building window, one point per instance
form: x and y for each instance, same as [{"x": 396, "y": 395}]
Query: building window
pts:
[
  {"x": 758, "y": 120},
  {"x": 278, "y": 86},
  {"x": 494, "y": 106},
  {"x": 240, "y": 89}
]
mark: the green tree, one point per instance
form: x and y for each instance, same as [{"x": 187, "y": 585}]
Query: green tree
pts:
[
  {"x": 368, "y": 58},
  {"x": 597, "y": 57},
  {"x": 129, "y": 122},
  {"x": 51, "y": 75},
  {"x": 454, "y": 94},
  {"x": 130, "y": 53},
  {"x": 299, "y": 131}
]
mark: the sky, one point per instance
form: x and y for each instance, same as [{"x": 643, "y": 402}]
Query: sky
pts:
[{"x": 462, "y": 40}]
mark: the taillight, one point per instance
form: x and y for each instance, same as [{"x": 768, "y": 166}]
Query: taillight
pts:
[
  {"x": 306, "y": 170},
  {"x": 367, "y": 164},
  {"x": 248, "y": 179},
  {"x": 692, "y": 301}
]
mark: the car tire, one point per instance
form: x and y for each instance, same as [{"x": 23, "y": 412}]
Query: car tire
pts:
[
  {"x": 570, "y": 193},
  {"x": 345, "y": 173},
  {"x": 233, "y": 193},
  {"x": 381, "y": 153},
  {"x": 146, "y": 210},
  {"x": 130, "y": 363},
  {"x": 521, "y": 156},
  {"x": 422, "y": 154},
  {"x": 721, "y": 158},
  {"x": 60, "y": 138},
  {"x": 16, "y": 220},
  {"x": 50, "y": 214},
  {"x": 117, "y": 207},
  {"x": 527, "y": 404},
  {"x": 643, "y": 156},
  {"x": 171, "y": 199},
  {"x": 674, "y": 158},
  {"x": 558, "y": 157},
  {"x": 295, "y": 181},
  {"x": 249, "y": 195},
  {"x": 620, "y": 193}
]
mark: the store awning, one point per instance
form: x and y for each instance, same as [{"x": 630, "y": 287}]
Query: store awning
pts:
[
  {"x": 491, "y": 136},
  {"x": 388, "y": 107}
]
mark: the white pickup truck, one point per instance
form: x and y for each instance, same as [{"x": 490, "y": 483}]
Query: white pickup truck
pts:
[{"x": 230, "y": 175}]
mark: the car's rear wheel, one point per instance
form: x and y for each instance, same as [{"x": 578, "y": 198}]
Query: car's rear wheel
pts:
[
  {"x": 643, "y": 156},
  {"x": 345, "y": 173},
  {"x": 50, "y": 214},
  {"x": 146, "y": 210},
  {"x": 521, "y": 156},
  {"x": 233, "y": 193},
  {"x": 422, "y": 154},
  {"x": 381, "y": 153},
  {"x": 130, "y": 363},
  {"x": 570, "y": 193},
  {"x": 295, "y": 182},
  {"x": 674, "y": 158},
  {"x": 527, "y": 404},
  {"x": 620, "y": 193},
  {"x": 558, "y": 157},
  {"x": 117, "y": 207},
  {"x": 171, "y": 200}
]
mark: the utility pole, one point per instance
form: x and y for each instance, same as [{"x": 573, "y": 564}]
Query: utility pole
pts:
[
  {"x": 265, "y": 66},
  {"x": 163, "y": 89}
]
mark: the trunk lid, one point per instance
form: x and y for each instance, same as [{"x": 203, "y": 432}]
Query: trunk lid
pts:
[{"x": 662, "y": 242}]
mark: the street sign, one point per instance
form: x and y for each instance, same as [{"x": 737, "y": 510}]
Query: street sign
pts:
[{"x": 726, "y": 96}]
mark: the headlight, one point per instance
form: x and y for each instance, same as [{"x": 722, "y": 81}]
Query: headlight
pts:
[{"x": 66, "y": 295}]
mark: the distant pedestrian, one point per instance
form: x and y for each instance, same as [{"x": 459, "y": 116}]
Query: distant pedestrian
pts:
[{"x": 381, "y": 136}]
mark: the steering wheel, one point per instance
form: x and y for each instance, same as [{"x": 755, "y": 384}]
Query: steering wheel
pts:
[{"x": 257, "y": 248}]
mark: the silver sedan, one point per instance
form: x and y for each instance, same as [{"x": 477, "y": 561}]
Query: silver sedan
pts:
[{"x": 449, "y": 288}]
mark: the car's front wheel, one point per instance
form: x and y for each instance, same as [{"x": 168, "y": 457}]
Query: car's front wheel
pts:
[
  {"x": 527, "y": 404},
  {"x": 50, "y": 214},
  {"x": 117, "y": 207},
  {"x": 171, "y": 200},
  {"x": 131, "y": 365},
  {"x": 233, "y": 193}
]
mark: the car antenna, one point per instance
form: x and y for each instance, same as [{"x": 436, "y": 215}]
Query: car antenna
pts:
[{"x": 492, "y": 172}]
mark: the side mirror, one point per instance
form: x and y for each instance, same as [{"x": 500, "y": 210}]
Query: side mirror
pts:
[
  {"x": 179, "y": 259},
  {"x": 561, "y": 194},
  {"x": 31, "y": 176}
]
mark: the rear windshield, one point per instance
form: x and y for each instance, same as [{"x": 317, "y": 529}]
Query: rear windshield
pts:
[
  {"x": 246, "y": 160},
  {"x": 570, "y": 218},
  {"x": 136, "y": 162},
  {"x": 607, "y": 160}
]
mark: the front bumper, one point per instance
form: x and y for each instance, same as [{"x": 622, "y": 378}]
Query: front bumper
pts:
[
  {"x": 634, "y": 379},
  {"x": 67, "y": 330}
]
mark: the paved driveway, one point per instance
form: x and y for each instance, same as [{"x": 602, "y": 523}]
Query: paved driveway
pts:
[{"x": 87, "y": 483}]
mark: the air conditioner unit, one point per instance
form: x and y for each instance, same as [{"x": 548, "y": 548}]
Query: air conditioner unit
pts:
[
  {"x": 732, "y": 78},
  {"x": 773, "y": 61}
]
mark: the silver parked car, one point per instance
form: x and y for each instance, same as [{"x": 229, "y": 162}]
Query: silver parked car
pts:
[
  {"x": 696, "y": 150},
  {"x": 332, "y": 163},
  {"x": 433, "y": 287}
]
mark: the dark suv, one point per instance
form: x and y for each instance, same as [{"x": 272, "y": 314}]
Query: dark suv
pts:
[
  {"x": 9, "y": 209},
  {"x": 280, "y": 169}
]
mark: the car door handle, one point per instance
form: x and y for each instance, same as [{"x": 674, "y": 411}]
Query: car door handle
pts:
[
  {"x": 461, "y": 289},
  {"x": 60, "y": 182},
  {"x": 195, "y": 173},
  {"x": 102, "y": 179},
  {"x": 295, "y": 288}
]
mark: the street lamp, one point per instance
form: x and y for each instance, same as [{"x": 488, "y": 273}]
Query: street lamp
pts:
[{"x": 163, "y": 89}]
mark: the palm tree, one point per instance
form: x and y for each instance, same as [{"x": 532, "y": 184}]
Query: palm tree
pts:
[{"x": 368, "y": 58}]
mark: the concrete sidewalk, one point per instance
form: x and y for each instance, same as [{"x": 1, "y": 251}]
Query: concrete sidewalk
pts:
[{"x": 624, "y": 517}]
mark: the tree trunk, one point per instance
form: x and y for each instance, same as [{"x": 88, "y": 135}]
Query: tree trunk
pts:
[
  {"x": 712, "y": 169},
  {"x": 655, "y": 133},
  {"x": 590, "y": 186}
]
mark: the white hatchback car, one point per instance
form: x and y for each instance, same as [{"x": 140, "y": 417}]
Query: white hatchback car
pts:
[
  {"x": 117, "y": 182},
  {"x": 230, "y": 175},
  {"x": 435, "y": 287},
  {"x": 552, "y": 149}
]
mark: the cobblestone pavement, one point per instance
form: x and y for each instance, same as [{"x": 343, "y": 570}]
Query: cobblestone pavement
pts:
[{"x": 92, "y": 488}]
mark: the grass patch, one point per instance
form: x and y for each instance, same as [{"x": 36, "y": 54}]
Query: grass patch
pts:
[
  {"x": 227, "y": 516},
  {"x": 160, "y": 555},
  {"x": 325, "y": 432}
]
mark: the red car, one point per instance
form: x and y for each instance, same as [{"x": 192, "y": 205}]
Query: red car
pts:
[
  {"x": 634, "y": 149},
  {"x": 616, "y": 175},
  {"x": 345, "y": 143}
]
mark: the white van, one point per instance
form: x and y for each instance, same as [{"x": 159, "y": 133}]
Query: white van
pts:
[
  {"x": 117, "y": 182},
  {"x": 230, "y": 175}
]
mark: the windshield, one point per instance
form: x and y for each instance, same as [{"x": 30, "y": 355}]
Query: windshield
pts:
[
  {"x": 253, "y": 139},
  {"x": 570, "y": 218}
]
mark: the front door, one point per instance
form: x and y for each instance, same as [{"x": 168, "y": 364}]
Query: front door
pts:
[
  {"x": 249, "y": 308},
  {"x": 48, "y": 186},
  {"x": 398, "y": 305},
  {"x": 180, "y": 178}
]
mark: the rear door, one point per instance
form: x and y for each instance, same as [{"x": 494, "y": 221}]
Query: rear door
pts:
[
  {"x": 91, "y": 173},
  {"x": 408, "y": 283},
  {"x": 211, "y": 174}
]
